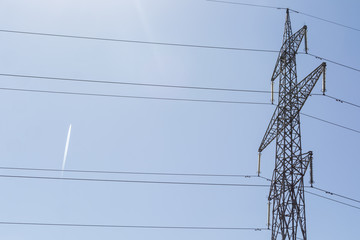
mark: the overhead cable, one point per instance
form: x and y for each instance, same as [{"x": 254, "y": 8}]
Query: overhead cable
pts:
[
  {"x": 332, "y": 123},
  {"x": 166, "y": 99},
  {"x": 325, "y": 20},
  {"x": 335, "y": 194},
  {"x": 163, "y": 174},
  {"x": 131, "y": 83},
  {"x": 128, "y": 172},
  {"x": 158, "y": 85},
  {"x": 247, "y": 4},
  {"x": 337, "y": 99},
  {"x": 166, "y": 44},
  {"x": 172, "y": 183},
  {"x": 343, "y": 101},
  {"x": 159, "y": 182},
  {"x": 330, "y": 199},
  {"x": 129, "y": 226},
  {"x": 334, "y": 62},
  {"x": 133, "y": 97},
  {"x": 292, "y": 10},
  {"x": 138, "y": 41},
  {"x": 132, "y": 181}
]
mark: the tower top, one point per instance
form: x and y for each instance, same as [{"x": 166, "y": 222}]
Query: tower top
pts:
[{"x": 288, "y": 29}]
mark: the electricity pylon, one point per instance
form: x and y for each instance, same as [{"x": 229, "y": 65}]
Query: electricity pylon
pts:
[{"x": 287, "y": 186}]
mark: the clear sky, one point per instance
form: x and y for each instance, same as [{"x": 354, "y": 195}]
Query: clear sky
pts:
[{"x": 142, "y": 135}]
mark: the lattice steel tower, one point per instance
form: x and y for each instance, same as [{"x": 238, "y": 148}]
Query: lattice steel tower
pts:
[{"x": 287, "y": 186}]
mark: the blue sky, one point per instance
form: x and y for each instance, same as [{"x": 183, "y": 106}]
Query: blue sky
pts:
[{"x": 120, "y": 134}]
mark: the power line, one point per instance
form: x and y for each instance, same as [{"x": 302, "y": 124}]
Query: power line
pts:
[
  {"x": 138, "y": 41},
  {"x": 130, "y": 226},
  {"x": 161, "y": 182},
  {"x": 292, "y": 10},
  {"x": 128, "y": 172},
  {"x": 158, "y": 85},
  {"x": 330, "y": 199},
  {"x": 133, "y": 97},
  {"x": 133, "y": 181},
  {"x": 325, "y": 20},
  {"x": 334, "y": 62},
  {"x": 167, "y": 44},
  {"x": 338, "y": 100},
  {"x": 332, "y": 123},
  {"x": 247, "y": 4},
  {"x": 172, "y": 183},
  {"x": 166, "y": 99},
  {"x": 335, "y": 194},
  {"x": 163, "y": 174},
  {"x": 131, "y": 83},
  {"x": 327, "y": 192},
  {"x": 343, "y": 101},
  {"x": 265, "y": 178}
]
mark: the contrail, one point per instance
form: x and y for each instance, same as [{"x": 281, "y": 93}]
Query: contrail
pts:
[{"x": 66, "y": 147}]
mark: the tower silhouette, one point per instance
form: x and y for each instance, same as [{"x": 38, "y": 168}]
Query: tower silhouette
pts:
[{"x": 287, "y": 186}]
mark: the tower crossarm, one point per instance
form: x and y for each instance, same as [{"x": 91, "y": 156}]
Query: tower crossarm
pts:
[
  {"x": 303, "y": 89},
  {"x": 271, "y": 131},
  {"x": 302, "y": 163},
  {"x": 294, "y": 41},
  {"x": 307, "y": 84}
]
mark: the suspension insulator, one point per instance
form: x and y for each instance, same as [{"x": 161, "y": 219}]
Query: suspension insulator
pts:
[
  {"x": 268, "y": 222},
  {"x": 272, "y": 92},
  {"x": 259, "y": 164}
]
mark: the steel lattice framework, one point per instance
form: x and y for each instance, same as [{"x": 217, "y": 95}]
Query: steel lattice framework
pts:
[{"x": 287, "y": 187}]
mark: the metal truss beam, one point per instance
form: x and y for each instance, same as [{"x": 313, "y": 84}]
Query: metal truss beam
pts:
[{"x": 287, "y": 187}]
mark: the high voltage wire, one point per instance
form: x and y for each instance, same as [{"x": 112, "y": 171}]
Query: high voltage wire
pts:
[
  {"x": 247, "y": 4},
  {"x": 338, "y": 100},
  {"x": 282, "y": 8},
  {"x": 162, "y": 174},
  {"x": 325, "y": 20},
  {"x": 343, "y": 101},
  {"x": 334, "y": 62},
  {"x": 166, "y": 99},
  {"x": 333, "y": 200},
  {"x": 129, "y": 226},
  {"x": 157, "y": 85},
  {"x": 131, "y": 83},
  {"x": 133, "y": 181},
  {"x": 152, "y": 182},
  {"x": 163, "y": 182},
  {"x": 128, "y": 172},
  {"x": 335, "y": 194},
  {"x": 167, "y": 44},
  {"x": 133, "y": 97},
  {"x": 327, "y": 192},
  {"x": 138, "y": 41},
  {"x": 330, "y": 199},
  {"x": 332, "y": 123}
]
